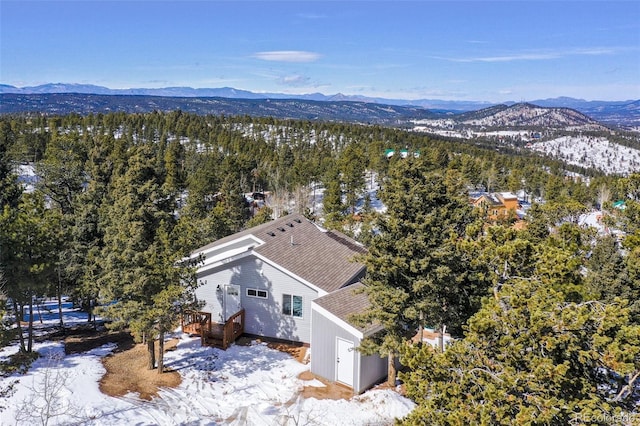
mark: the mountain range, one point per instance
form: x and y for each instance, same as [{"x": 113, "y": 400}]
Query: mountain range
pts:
[
  {"x": 565, "y": 132},
  {"x": 231, "y": 93},
  {"x": 82, "y": 98},
  {"x": 296, "y": 109}
]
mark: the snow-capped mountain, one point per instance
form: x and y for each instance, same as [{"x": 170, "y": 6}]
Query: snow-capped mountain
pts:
[
  {"x": 561, "y": 133},
  {"x": 528, "y": 115}
]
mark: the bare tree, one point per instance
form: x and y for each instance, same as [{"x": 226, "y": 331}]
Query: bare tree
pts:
[
  {"x": 302, "y": 199},
  {"x": 293, "y": 415},
  {"x": 49, "y": 398},
  {"x": 604, "y": 195}
]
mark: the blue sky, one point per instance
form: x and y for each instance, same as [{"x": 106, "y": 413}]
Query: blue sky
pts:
[{"x": 454, "y": 50}]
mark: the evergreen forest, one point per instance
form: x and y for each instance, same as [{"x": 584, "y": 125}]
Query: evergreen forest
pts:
[{"x": 546, "y": 315}]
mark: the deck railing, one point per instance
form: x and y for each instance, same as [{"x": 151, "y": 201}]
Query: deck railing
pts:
[
  {"x": 233, "y": 328},
  {"x": 196, "y": 322},
  {"x": 216, "y": 334}
]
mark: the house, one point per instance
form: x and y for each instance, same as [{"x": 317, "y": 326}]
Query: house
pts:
[
  {"x": 497, "y": 205},
  {"x": 433, "y": 337},
  {"x": 280, "y": 280}
]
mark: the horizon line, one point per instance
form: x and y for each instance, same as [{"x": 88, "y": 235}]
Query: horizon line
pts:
[{"x": 373, "y": 97}]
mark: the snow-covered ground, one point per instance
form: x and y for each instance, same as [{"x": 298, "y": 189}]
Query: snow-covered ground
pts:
[
  {"x": 583, "y": 150},
  {"x": 596, "y": 152},
  {"x": 244, "y": 385},
  {"x": 26, "y": 176}
]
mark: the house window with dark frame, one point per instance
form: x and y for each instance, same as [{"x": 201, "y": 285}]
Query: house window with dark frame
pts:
[
  {"x": 254, "y": 292},
  {"x": 292, "y": 305}
]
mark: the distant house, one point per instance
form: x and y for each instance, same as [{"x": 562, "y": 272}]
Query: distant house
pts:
[
  {"x": 496, "y": 205},
  {"x": 620, "y": 205},
  {"x": 280, "y": 280},
  {"x": 433, "y": 337},
  {"x": 404, "y": 153}
]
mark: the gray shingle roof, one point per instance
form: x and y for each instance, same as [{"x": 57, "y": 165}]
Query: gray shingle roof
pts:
[
  {"x": 346, "y": 302},
  {"x": 323, "y": 258}
]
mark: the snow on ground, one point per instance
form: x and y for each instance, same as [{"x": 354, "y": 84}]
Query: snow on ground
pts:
[
  {"x": 442, "y": 132},
  {"x": 583, "y": 150},
  {"x": 592, "y": 219},
  {"x": 63, "y": 390},
  {"x": 26, "y": 176},
  {"x": 244, "y": 385}
]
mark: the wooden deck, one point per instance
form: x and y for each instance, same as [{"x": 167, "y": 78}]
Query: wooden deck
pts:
[{"x": 212, "y": 333}]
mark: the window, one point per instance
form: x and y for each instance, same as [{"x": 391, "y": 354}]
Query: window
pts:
[
  {"x": 292, "y": 305},
  {"x": 254, "y": 292}
]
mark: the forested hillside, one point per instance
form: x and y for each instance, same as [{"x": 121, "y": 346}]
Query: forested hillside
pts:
[
  {"x": 548, "y": 316},
  {"x": 301, "y": 109}
]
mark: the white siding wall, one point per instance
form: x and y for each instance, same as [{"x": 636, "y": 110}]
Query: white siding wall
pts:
[
  {"x": 263, "y": 317},
  {"x": 373, "y": 369},
  {"x": 368, "y": 370},
  {"x": 323, "y": 347},
  {"x": 206, "y": 291}
]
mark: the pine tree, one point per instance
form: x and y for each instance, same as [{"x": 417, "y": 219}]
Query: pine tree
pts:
[
  {"x": 529, "y": 357},
  {"x": 234, "y": 205},
  {"x": 62, "y": 179},
  {"x": 417, "y": 272},
  {"x": 352, "y": 164},
  {"x": 173, "y": 164},
  {"x": 140, "y": 277},
  {"x": 332, "y": 205},
  {"x": 84, "y": 261},
  {"x": 61, "y": 171},
  {"x": 9, "y": 189},
  {"x": 30, "y": 236}
]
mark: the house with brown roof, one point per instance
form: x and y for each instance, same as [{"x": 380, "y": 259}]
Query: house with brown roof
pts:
[
  {"x": 496, "y": 205},
  {"x": 274, "y": 280}
]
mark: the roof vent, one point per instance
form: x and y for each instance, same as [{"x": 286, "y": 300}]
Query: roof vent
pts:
[
  {"x": 290, "y": 225},
  {"x": 281, "y": 229},
  {"x": 273, "y": 234},
  {"x": 297, "y": 220}
]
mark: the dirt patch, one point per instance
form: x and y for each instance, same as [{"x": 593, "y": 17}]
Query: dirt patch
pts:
[
  {"x": 330, "y": 390},
  {"x": 127, "y": 366},
  {"x": 296, "y": 350},
  {"x": 127, "y": 372}
]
